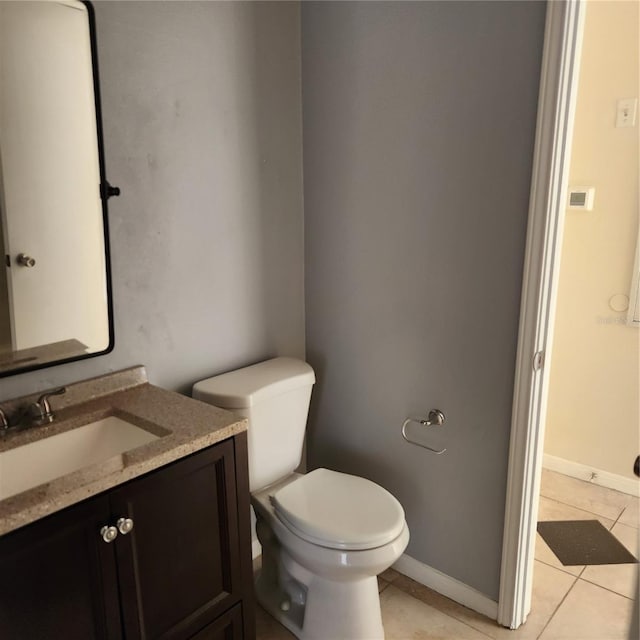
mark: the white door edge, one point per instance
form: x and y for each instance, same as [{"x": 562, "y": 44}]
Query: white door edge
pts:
[{"x": 554, "y": 132}]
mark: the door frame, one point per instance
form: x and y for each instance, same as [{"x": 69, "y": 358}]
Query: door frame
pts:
[{"x": 554, "y": 133}]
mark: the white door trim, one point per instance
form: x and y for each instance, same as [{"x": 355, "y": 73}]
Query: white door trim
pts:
[{"x": 556, "y": 108}]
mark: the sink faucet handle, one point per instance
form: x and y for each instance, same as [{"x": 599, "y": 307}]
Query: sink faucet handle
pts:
[
  {"x": 41, "y": 409},
  {"x": 43, "y": 400}
]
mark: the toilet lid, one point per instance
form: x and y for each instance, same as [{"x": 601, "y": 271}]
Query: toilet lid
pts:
[{"x": 339, "y": 511}]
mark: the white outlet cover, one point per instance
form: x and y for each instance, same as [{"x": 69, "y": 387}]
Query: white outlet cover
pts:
[{"x": 626, "y": 112}]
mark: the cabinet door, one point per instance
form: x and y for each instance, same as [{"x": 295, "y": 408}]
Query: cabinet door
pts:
[
  {"x": 227, "y": 627},
  {"x": 57, "y": 578},
  {"x": 179, "y": 568}
]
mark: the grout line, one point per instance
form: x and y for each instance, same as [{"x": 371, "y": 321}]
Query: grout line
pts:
[
  {"x": 618, "y": 519},
  {"x": 558, "y": 607},
  {"x": 595, "y": 584},
  {"x": 624, "y": 523},
  {"x": 580, "y": 508},
  {"x": 573, "y": 575}
]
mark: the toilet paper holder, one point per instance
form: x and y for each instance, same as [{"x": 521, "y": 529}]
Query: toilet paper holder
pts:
[{"x": 435, "y": 418}]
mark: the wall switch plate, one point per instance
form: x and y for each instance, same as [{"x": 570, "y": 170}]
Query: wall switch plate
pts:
[{"x": 626, "y": 112}]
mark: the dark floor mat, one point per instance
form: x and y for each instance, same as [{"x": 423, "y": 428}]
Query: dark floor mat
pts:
[{"x": 578, "y": 542}]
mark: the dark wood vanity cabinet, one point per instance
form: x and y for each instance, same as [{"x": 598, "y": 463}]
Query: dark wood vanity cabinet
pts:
[{"x": 183, "y": 571}]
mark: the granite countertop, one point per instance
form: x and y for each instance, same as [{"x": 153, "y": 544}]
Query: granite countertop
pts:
[{"x": 183, "y": 425}]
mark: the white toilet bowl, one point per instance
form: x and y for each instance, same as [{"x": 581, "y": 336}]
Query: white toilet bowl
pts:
[{"x": 319, "y": 588}]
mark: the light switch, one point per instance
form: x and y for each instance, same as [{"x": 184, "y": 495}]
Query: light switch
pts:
[{"x": 626, "y": 112}]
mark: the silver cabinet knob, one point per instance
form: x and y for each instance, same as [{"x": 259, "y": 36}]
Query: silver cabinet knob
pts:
[
  {"x": 109, "y": 534},
  {"x": 124, "y": 525},
  {"x": 26, "y": 261}
]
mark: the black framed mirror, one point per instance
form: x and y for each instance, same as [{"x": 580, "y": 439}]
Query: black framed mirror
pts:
[{"x": 55, "y": 284}]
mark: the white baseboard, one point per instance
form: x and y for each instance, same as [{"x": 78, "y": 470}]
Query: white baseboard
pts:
[
  {"x": 590, "y": 474},
  {"x": 447, "y": 586}
]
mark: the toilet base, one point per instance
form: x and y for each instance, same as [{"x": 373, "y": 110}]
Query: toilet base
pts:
[
  {"x": 336, "y": 610},
  {"x": 315, "y": 607}
]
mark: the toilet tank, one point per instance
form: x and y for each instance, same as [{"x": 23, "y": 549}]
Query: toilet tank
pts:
[{"x": 274, "y": 395}]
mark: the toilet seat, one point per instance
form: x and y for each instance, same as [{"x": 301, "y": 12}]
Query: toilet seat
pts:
[{"x": 339, "y": 511}]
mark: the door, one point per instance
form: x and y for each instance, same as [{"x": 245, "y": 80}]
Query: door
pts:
[
  {"x": 59, "y": 579},
  {"x": 179, "y": 567}
]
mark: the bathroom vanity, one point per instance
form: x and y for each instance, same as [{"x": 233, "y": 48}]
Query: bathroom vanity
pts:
[
  {"x": 152, "y": 542},
  {"x": 127, "y": 516}
]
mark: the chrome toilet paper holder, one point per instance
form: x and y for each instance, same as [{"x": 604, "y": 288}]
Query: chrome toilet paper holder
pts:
[{"x": 435, "y": 418}]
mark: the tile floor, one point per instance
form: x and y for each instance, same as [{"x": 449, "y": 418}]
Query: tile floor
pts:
[{"x": 569, "y": 603}]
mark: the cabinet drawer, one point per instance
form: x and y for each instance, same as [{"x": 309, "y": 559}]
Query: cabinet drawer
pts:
[{"x": 227, "y": 627}]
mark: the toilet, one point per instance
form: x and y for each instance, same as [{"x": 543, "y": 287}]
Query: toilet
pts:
[{"x": 325, "y": 535}]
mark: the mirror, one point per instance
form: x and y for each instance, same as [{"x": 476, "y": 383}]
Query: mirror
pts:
[{"x": 55, "y": 302}]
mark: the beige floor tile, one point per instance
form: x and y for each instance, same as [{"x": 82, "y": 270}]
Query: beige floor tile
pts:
[
  {"x": 621, "y": 578},
  {"x": 549, "y": 588},
  {"x": 446, "y": 605},
  {"x": 554, "y": 510},
  {"x": 590, "y": 612},
  {"x": 267, "y": 628},
  {"x": 549, "y": 509},
  {"x": 631, "y": 516},
  {"x": 583, "y": 495},
  {"x": 405, "y": 617},
  {"x": 389, "y": 575}
]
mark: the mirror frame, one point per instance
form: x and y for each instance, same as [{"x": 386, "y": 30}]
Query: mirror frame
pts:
[{"x": 106, "y": 191}]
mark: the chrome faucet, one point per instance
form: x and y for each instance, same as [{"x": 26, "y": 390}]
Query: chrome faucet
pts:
[{"x": 40, "y": 411}]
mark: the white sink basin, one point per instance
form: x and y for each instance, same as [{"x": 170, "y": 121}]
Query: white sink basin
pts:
[{"x": 32, "y": 464}]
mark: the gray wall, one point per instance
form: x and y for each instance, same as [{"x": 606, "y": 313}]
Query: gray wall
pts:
[
  {"x": 418, "y": 136},
  {"x": 202, "y": 123}
]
